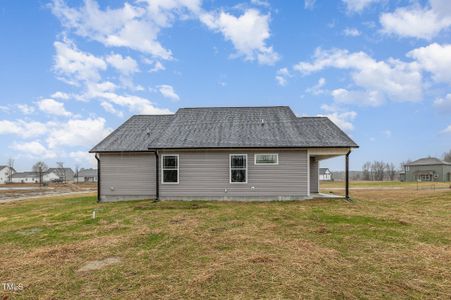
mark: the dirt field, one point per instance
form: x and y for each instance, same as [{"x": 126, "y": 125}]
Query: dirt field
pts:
[
  {"x": 385, "y": 244},
  {"x": 21, "y": 190}
]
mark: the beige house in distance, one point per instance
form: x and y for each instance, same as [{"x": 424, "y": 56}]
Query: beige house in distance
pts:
[{"x": 218, "y": 153}]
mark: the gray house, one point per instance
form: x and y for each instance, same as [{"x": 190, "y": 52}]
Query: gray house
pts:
[
  {"x": 247, "y": 153},
  {"x": 86, "y": 175},
  {"x": 427, "y": 169}
]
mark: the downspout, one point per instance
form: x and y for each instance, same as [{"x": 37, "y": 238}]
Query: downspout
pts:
[
  {"x": 347, "y": 176},
  {"x": 98, "y": 177},
  {"x": 157, "y": 185}
]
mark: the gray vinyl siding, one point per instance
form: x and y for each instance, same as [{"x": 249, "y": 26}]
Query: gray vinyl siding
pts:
[
  {"x": 127, "y": 176},
  {"x": 441, "y": 171},
  {"x": 314, "y": 175},
  {"x": 206, "y": 174}
]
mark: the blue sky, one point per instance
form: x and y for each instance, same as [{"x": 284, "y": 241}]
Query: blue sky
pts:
[{"x": 71, "y": 71}]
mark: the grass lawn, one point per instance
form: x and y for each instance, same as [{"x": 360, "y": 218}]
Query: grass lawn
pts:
[
  {"x": 387, "y": 244},
  {"x": 386, "y": 184}
]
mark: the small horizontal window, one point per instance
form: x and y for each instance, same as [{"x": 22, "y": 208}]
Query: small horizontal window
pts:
[{"x": 266, "y": 159}]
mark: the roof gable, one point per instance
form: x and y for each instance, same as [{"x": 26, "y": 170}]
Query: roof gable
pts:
[{"x": 428, "y": 161}]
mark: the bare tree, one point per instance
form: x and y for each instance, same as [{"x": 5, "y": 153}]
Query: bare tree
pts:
[
  {"x": 391, "y": 171},
  {"x": 366, "y": 171},
  {"x": 378, "y": 170},
  {"x": 10, "y": 169},
  {"x": 77, "y": 170},
  {"x": 60, "y": 171},
  {"x": 40, "y": 168},
  {"x": 447, "y": 156}
]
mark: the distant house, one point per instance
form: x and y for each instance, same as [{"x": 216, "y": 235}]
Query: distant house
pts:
[
  {"x": 33, "y": 177},
  {"x": 325, "y": 174},
  {"x": 64, "y": 174},
  {"x": 86, "y": 175},
  {"x": 25, "y": 177},
  {"x": 427, "y": 169},
  {"x": 5, "y": 172}
]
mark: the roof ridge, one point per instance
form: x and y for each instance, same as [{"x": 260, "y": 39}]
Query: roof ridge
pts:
[{"x": 209, "y": 107}]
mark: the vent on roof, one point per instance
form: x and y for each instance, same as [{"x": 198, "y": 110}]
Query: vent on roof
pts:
[{"x": 263, "y": 122}]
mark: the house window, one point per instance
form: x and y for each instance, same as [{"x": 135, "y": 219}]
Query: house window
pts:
[
  {"x": 170, "y": 168},
  {"x": 238, "y": 168},
  {"x": 407, "y": 168},
  {"x": 426, "y": 177},
  {"x": 266, "y": 159}
]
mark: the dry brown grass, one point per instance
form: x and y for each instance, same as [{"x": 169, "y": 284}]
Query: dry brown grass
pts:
[{"x": 386, "y": 244}]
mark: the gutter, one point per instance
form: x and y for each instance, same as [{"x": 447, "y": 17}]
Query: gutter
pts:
[
  {"x": 98, "y": 176},
  {"x": 157, "y": 183}
]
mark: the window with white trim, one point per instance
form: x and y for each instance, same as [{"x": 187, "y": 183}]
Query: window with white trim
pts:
[
  {"x": 238, "y": 168},
  {"x": 266, "y": 159},
  {"x": 170, "y": 168}
]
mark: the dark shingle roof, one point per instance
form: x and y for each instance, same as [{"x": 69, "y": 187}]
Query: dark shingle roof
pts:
[
  {"x": 428, "y": 161},
  {"x": 135, "y": 134},
  {"x": 322, "y": 171},
  {"x": 25, "y": 174},
  {"x": 225, "y": 127},
  {"x": 87, "y": 173}
]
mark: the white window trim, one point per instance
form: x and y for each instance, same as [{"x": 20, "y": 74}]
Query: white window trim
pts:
[
  {"x": 162, "y": 170},
  {"x": 266, "y": 164},
  {"x": 230, "y": 167}
]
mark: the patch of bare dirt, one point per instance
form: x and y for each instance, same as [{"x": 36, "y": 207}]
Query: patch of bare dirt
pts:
[{"x": 99, "y": 264}]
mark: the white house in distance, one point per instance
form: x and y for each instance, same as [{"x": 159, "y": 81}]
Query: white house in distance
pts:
[
  {"x": 33, "y": 177},
  {"x": 5, "y": 171},
  {"x": 325, "y": 174}
]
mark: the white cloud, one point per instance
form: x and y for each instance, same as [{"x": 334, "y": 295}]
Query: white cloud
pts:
[
  {"x": 78, "y": 132},
  {"x": 21, "y": 128},
  {"x": 110, "y": 108},
  {"x": 264, "y": 3},
  {"x": 247, "y": 32},
  {"x": 282, "y": 76},
  {"x": 394, "y": 79},
  {"x": 33, "y": 149},
  {"x": 447, "y": 129},
  {"x": 443, "y": 104},
  {"x": 158, "y": 66},
  {"x": 25, "y": 109},
  {"x": 339, "y": 115},
  {"x": 168, "y": 92},
  {"x": 435, "y": 59},
  {"x": 351, "y": 32},
  {"x": 343, "y": 119},
  {"x": 365, "y": 98},
  {"x": 317, "y": 89},
  {"x": 84, "y": 157},
  {"x": 60, "y": 95},
  {"x": 125, "y": 65},
  {"x": 416, "y": 21},
  {"x": 309, "y": 4},
  {"x": 135, "y": 26},
  {"x": 73, "y": 65},
  {"x": 357, "y": 6},
  {"x": 53, "y": 107}
]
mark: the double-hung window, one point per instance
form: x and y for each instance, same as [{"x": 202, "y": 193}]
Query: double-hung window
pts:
[
  {"x": 238, "y": 168},
  {"x": 170, "y": 168}
]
